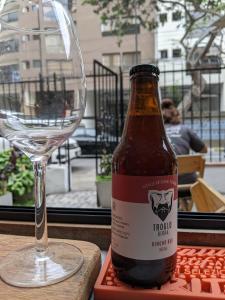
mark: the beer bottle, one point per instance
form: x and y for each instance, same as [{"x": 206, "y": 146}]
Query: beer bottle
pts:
[{"x": 144, "y": 189}]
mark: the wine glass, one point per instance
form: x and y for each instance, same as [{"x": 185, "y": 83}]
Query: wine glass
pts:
[{"x": 42, "y": 100}]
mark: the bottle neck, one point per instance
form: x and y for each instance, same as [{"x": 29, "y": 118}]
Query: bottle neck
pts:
[
  {"x": 144, "y": 106},
  {"x": 144, "y": 99}
]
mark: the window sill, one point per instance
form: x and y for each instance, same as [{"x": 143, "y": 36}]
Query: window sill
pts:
[{"x": 101, "y": 234}]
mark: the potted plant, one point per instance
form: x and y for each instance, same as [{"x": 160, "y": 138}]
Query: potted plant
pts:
[
  {"x": 16, "y": 175},
  {"x": 6, "y": 166},
  {"x": 104, "y": 181}
]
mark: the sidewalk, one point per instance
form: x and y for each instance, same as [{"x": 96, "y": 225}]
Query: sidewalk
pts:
[
  {"x": 74, "y": 199},
  {"x": 83, "y": 194}
]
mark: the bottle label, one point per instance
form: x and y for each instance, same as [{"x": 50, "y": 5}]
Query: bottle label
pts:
[{"x": 144, "y": 216}]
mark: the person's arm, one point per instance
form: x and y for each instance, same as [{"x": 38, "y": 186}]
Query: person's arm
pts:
[
  {"x": 196, "y": 143},
  {"x": 204, "y": 149}
]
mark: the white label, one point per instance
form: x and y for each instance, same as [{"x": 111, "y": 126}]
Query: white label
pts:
[{"x": 139, "y": 231}]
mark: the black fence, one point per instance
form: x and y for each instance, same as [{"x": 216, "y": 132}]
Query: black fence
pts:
[
  {"x": 202, "y": 107},
  {"x": 199, "y": 94},
  {"x": 202, "y": 103}
]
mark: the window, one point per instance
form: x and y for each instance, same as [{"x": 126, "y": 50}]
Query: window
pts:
[
  {"x": 130, "y": 59},
  {"x": 176, "y": 16},
  {"x": 36, "y": 63},
  {"x": 108, "y": 26},
  {"x": 53, "y": 66},
  {"x": 26, "y": 9},
  {"x": 111, "y": 60},
  {"x": 25, "y": 38},
  {"x": 9, "y": 46},
  {"x": 49, "y": 14},
  {"x": 25, "y": 64},
  {"x": 163, "y": 54},
  {"x": 34, "y": 7},
  {"x": 54, "y": 44},
  {"x": 176, "y": 53},
  {"x": 9, "y": 73},
  {"x": 132, "y": 26},
  {"x": 10, "y": 17},
  {"x": 102, "y": 215},
  {"x": 36, "y": 37},
  {"x": 163, "y": 18}
]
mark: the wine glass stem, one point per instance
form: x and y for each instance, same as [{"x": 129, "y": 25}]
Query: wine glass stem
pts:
[{"x": 41, "y": 230}]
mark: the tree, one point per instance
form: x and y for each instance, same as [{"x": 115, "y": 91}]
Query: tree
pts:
[{"x": 205, "y": 16}]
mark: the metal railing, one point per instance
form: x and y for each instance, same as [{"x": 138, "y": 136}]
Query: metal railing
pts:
[{"x": 202, "y": 105}]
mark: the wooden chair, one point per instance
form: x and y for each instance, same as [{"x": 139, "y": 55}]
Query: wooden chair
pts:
[
  {"x": 189, "y": 164},
  {"x": 206, "y": 198}
]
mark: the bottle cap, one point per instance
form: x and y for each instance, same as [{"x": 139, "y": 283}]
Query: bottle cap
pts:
[{"x": 148, "y": 68}]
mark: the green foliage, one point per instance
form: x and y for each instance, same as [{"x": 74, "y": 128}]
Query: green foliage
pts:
[
  {"x": 16, "y": 173},
  {"x": 146, "y": 12},
  {"x": 21, "y": 183},
  {"x": 105, "y": 167}
]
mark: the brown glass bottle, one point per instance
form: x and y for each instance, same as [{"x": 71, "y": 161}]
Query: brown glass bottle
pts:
[{"x": 144, "y": 189}]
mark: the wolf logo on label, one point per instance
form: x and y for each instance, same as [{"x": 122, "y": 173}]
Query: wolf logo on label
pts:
[{"x": 162, "y": 202}]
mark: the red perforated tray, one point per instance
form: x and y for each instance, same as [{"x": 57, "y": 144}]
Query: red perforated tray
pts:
[{"x": 199, "y": 274}]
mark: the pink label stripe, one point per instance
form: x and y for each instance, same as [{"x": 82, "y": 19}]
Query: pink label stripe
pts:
[{"x": 136, "y": 188}]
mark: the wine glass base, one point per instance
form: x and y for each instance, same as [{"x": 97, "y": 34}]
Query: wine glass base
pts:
[{"x": 28, "y": 268}]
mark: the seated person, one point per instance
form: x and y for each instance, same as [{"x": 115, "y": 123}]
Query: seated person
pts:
[{"x": 182, "y": 138}]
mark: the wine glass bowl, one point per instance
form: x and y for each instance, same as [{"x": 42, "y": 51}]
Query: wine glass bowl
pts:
[{"x": 42, "y": 100}]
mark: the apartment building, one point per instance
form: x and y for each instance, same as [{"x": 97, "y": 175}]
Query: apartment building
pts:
[
  {"x": 99, "y": 41},
  {"x": 171, "y": 58},
  {"x": 24, "y": 55},
  {"x": 27, "y": 57}
]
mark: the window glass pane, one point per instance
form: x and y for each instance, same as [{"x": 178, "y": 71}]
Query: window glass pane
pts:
[
  {"x": 9, "y": 73},
  {"x": 176, "y": 53},
  {"x": 25, "y": 65},
  {"x": 54, "y": 44},
  {"x": 163, "y": 54},
  {"x": 36, "y": 63},
  {"x": 176, "y": 16},
  {"x": 111, "y": 60},
  {"x": 9, "y": 46},
  {"x": 131, "y": 58},
  {"x": 163, "y": 18}
]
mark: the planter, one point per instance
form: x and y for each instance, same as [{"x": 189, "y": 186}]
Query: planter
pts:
[
  {"x": 57, "y": 179},
  {"x": 6, "y": 199},
  {"x": 104, "y": 193},
  {"x": 24, "y": 200}
]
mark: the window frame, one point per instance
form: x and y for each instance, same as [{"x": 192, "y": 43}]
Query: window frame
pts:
[
  {"x": 176, "y": 49},
  {"x": 163, "y": 18},
  {"x": 176, "y": 16},
  {"x": 166, "y": 51},
  {"x": 101, "y": 216}
]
